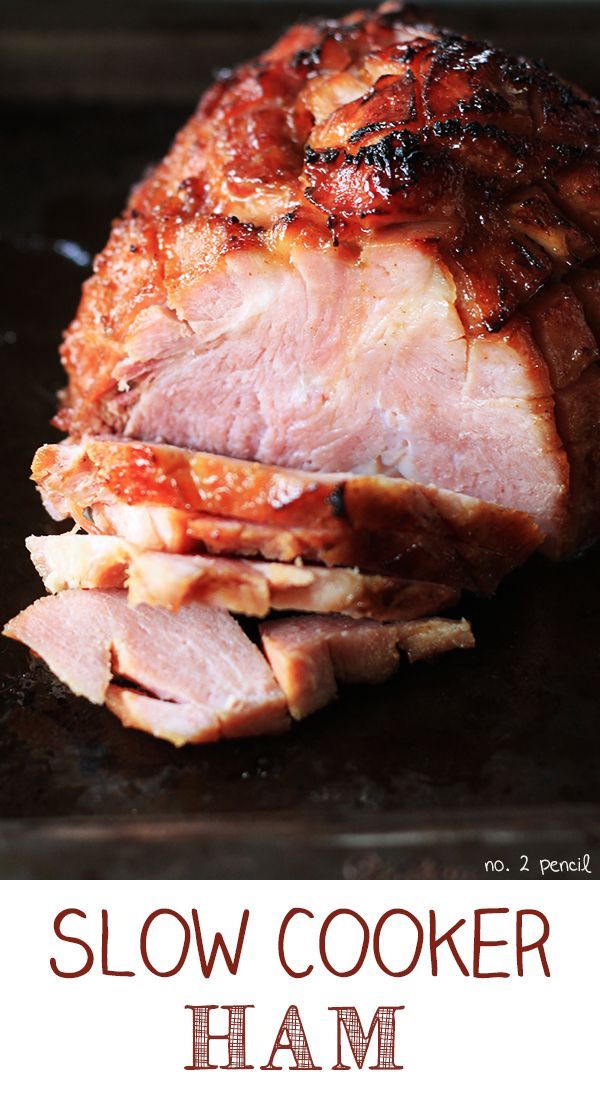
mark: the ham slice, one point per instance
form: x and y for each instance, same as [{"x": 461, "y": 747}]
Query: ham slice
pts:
[
  {"x": 400, "y": 554},
  {"x": 195, "y": 675},
  {"x": 381, "y": 524},
  {"x": 246, "y": 587},
  {"x": 310, "y": 654}
]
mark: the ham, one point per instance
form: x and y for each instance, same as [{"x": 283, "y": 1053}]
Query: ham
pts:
[
  {"x": 372, "y": 250},
  {"x": 340, "y": 355},
  {"x": 247, "y": 587},
  {"x": 192, "y": 675},
  {"x": 402, "y": 554},
  {"x": 310, "y": 654},
  {"x": 377, "y": 523}
]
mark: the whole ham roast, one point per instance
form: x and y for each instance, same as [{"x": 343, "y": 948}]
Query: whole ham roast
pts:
[{"x": 339, "y": 355}]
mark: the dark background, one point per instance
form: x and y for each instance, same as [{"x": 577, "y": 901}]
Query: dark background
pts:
[
  {"x": 141, "y": 51},
  {"x": 485, "y": 755}
]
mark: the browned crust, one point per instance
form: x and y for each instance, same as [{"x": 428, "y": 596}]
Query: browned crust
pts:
[{"x": 565, "y": 322}]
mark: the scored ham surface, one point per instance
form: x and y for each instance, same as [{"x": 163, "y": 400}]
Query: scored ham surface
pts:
[
  {"x": 310, "y": 654},
  {"x": 245, "y": 587},
  {"x": 375, "y": 249},
  {"x": 377, "y": 523},
  {"x": 195, "y": 675}
]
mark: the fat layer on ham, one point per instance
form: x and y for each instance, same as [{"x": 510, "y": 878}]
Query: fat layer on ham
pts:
[
  {"x": 193, "y": 675},
  {"x": 310, "y": 654},
  {"x": 246, "y": 587}
]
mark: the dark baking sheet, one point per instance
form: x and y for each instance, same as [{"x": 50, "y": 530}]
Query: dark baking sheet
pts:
[{"x": 484, "y": 755}]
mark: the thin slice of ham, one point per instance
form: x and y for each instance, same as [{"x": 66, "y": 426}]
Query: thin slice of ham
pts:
[
  {"x": 417, "y": 555},
  {"x": 246, "y": 587},
  {"x": 310, "y": 654},
  {"x": 378, "y": 523},
  {"x": 195, "y": 674}
]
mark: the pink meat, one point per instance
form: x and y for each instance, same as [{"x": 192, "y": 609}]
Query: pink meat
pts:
[
  {"x": 310, "y": 654},
  {"x": 195, "y": 674},
  {"x": 366, "y": 369},
  {"x": 247, "y": 587}
]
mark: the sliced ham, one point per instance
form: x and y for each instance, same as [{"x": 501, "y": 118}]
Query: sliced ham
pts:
[
  {"x": 148, "y": 526},
  {"x": 78, "y": 561},
  {"x": 310, "y": 654},
  {"x": 375, "y": 522},
  {"x": 194, "y": 674},
  {"x": 246, "y": 587},
  {"x": 402, "y": 554}
]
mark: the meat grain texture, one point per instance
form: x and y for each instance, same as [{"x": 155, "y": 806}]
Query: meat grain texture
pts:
[
  {"x": 186, "y": 676},
  {"x": 352, "y": 320}
]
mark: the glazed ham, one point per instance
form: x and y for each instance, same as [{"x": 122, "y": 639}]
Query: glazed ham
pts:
[
  {"x": 340, "y": 356},
  {"x": 247, "y": 588},
  {"x": 191, "y": 675},
  {"x": 380, "y": 524},
  {"x": 373, "y": 250},
  {"x": 310, "y": 654}
]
